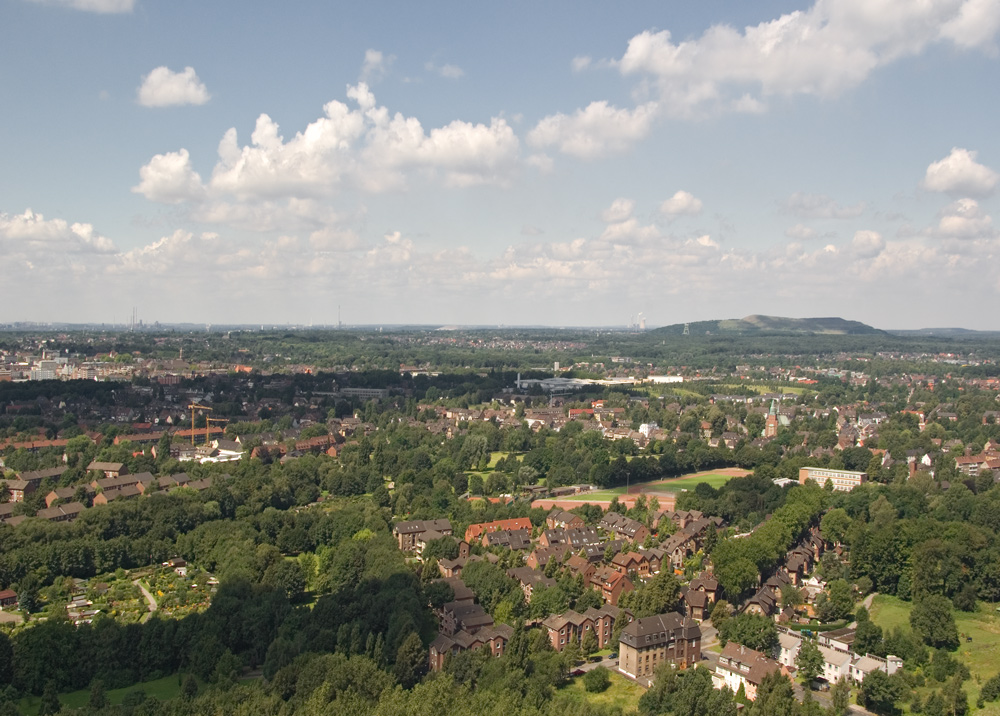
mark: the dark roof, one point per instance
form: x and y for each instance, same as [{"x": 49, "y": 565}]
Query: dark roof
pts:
[{"x": 659, "y": 629}]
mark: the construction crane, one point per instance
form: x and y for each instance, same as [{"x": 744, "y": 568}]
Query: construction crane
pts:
[
  {"x": 208, "y": 426},
  {"x": 192, "y": 407}
]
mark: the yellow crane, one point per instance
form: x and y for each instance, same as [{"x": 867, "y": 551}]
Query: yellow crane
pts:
[{"x": 192, "y": 407}]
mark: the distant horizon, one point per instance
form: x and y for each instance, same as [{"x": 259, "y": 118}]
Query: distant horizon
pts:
[{"x": 11, "y": 326}]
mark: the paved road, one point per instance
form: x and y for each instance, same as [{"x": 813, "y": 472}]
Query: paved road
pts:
[{"x": 149, "y": 599}]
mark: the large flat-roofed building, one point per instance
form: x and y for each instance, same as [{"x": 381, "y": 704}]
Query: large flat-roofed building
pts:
[
  {"x": 843, "y": 480},
  {"x": 646, "y": 643}
]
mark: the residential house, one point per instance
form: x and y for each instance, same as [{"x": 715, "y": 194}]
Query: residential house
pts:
[
  {"x": 110, "y": 469},
  {"x": 495, "y": 638},
  {"x": 572, "y": 626},
  {"x": 563, "y": 519},
  {"x": 624, "y": 527},
  {"x": 610, "y": 584},
  {"x": 530, "y": 580},
  {"x": 475, "y": 532},
  {"x": 739, "y": 665},
  {"x": 665, "y": 638},
  {"x": 407, "y": 533}
]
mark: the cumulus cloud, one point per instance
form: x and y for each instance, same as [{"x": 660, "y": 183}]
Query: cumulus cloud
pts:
[
  {"x": 831, "y": 47},
  {"x": 376, "y": 65},
  {"x": 165, "y": 88},
  {"x": 620, "y": 210},
  {"x": 820, "y": 206},
  {"x": 682, "y": 202},
  {"x": 597, "y": 130},
  {"x": 362, "y": 147},
  {"x": 965, "y": 219},
  {"x": 579, "y": 64},
  {"x": 20, "y": 232},
  {"x": 959, "y": 173},
  {"x": 169, "y": 179},
  {"x": 104, "y": 7}
]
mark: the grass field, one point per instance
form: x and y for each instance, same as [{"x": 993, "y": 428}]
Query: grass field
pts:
[
  {"x": 981, "y": 655},
  {"x": 162, "y": 689},
  {"x": 677, "y": 485},
  {"x": 622, "y": 693},
  {"x": 689, "y": 483}
]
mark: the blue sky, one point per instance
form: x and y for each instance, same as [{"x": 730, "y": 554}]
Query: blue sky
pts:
[{"x": 562, "y": 163}]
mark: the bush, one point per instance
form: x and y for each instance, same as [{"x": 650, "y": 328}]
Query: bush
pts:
[{"x": 597, "y": 680}]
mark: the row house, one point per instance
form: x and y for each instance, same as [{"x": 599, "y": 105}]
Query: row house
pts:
[
  {"x": 624, "y": 527},
  {"x": 407, "y": 533},
  {"x": 510, "y": 539},
  {"x": 575, "y": 537},
  {"x": 610, "y": 584},
  {"x": 61, "y": 513},
  {"x": 495, "y": 638},
  {"x": 475, "y": 532},
  {"x": 571, "y": 626},
  {"x": 540, "y": 556},
  {"x": 647, "y": 643},
  {"x": 529, "y": 580},
  {"x": 739, "y": 665},
  {"x": 561, "y": 519},
  {"x": 110, "y": 469},
  {"x": 631, "y": 563}
]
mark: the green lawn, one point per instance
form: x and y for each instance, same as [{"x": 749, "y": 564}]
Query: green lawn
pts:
[
  {"x": 163, "y": 689},
  {"x": 683, "y": 483},
  {"x": 689, "y": 483},
  {"x": 622, "y": 693},
  {"x": 981, "y": 655}
]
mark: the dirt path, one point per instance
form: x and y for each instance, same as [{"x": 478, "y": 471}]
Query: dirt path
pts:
[{"x": 149, "y": 599}]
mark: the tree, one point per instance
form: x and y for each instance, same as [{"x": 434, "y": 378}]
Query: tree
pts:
[
  {"x": 838, "y": 602},
  {"x": 597, "y": 680},
  {"x": 751, "y": 630},
  {"x": 411, "y": 661},
  {"x": 98, "y": 697},
  {"x": 932, "y": 619},
  {"x": 775, "y": 697},
  {"x": 879, "y": 692},
  {"x": 840, "y": 696},
  {"x": 189, "y": 689},
  {"x": 834, "y": 525},
  {"x": 589, "y": 643},
  {"x": 867, "y": 638},
  {"x": 809, "y": 661},
  {"x": 50, "y": 700}
]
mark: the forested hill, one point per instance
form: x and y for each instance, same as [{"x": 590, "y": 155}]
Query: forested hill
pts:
[{"x": 771, "y": 324}]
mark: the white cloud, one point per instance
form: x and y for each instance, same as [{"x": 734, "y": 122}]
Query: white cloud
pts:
[
  {"x": 959, "y": 173},
  {"x": 620, "y": 210},
  {"x": 579, "y": 64},
  {"x": 31, "y": 231},
  {"x": 681, "y": 202},
  {"x": 831, "y": 47},
  {"x": 819, "y": 206},
  {"x": 169, "y": 179},
  {"x": 451, "y": 72},
  {"x": 104, "y": 7},
  {"x": 376, "y": 65},
  {"x": 964, "y": 219},
  {"x": 164, "y": 88},
  {"x": 364, "y": 148},
  {"x": 801, "y": 232},
  {"x": 867, "y": 244},
  {"x": 597, "y": 130}
]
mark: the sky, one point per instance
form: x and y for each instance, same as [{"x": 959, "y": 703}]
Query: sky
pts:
[{"x": 521, "y": 163}]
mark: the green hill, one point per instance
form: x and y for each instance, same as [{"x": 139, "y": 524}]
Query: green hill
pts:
[{"x": 771, "y": 324}]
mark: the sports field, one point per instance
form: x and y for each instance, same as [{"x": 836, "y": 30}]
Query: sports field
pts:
[{"x": 678, "y": 484}]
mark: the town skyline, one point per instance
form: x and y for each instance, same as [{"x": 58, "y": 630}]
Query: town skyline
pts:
[{"x": 574, "y": 166}]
